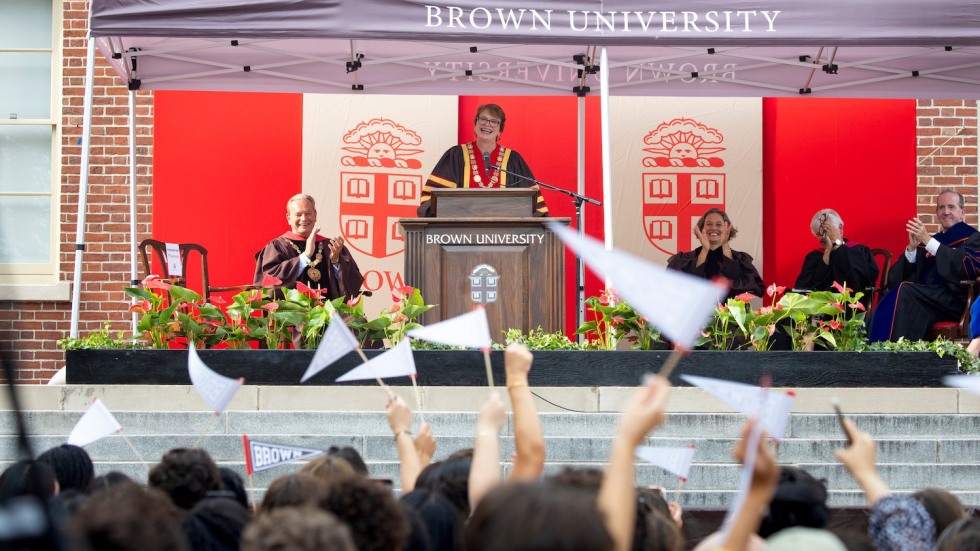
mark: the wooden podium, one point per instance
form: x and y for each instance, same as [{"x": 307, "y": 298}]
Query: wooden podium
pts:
[{"x": 485, "y": 247}]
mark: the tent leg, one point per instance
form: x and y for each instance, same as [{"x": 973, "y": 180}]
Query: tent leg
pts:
[
  {"x": 76, "y": 287},
  {"x": 132, "y": 199},
  {"x": 580, "y": 222}
]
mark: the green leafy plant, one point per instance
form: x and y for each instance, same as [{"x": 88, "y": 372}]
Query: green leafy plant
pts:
[
  {"x": 613, "y": 321},
  {"x": 941, "y": 346},
  {"x": 538, "y": 339},
  {"x": 392, "y": 323},
  {"x": 101, "y": 339},
  {"x": 158, "y": 310}
]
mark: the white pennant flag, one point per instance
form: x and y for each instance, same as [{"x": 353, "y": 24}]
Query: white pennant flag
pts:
[
  {"x": 675, "y": 460},
  {"x": 676, "y": 303},
  {"x": 337, "y": 342},
  {"x": 96, "y": 423},
  {"x": 775, "y": 410},
  {"x": 217, "y": 390},
  {"x": 397, "y": 362},
  {"x": 968, "y": 382},
  {"x": 260, "y": 456},
  {"x": 470, "y": 330}
]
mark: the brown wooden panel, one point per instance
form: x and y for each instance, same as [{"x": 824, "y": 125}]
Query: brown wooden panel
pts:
[
  {"x": 441, "y": 254},
  {"x": 476, "y": 202}
]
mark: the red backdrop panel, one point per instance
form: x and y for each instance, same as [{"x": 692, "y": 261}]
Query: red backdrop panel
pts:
[
  {"x": 224, "y": 165},
  {"x": 545, "y": 132},
  {"x": 852, "y": 155}
]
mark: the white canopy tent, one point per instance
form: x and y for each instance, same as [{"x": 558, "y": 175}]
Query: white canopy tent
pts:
[{"x": 833, "y": 48}]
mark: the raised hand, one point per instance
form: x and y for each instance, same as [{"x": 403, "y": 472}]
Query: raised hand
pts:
[
  {"x": 335, "y": 246},
  {"x": 700, "y": 235},
  {"x": 425, "y": 444},
  {"x": 917, "y": 232},
  {"x": 311, "y": 243}
]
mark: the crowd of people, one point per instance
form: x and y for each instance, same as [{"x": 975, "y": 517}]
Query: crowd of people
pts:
[{"x": 465, "y": 501}]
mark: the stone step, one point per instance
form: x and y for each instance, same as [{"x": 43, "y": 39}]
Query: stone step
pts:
[
  {"x": 560, "y": 449},
  {"x": 678, "y": 425}
]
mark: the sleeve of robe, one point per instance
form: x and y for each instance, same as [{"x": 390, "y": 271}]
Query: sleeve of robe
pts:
[
  {"x": 959, "y": 263},
  {"x": 739, "y": 270},
  {"x": 743, "y": 275},
  {"x": 517, "y": 165},
  {"x": 814, "y": 272},
  {"x": 445, "y": 175},
  {"x": 278, "y": 260}
]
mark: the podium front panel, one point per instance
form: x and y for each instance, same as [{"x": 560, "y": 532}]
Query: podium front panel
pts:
[{"x": 514, "y": 267}]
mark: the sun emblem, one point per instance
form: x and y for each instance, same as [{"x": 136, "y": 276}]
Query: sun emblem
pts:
[
  {"x": 683, "y": 142},
  {"x": 381, "y": 142}
]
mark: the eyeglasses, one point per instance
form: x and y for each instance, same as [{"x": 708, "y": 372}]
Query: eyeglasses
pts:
[{"x": 492, "y": 122}]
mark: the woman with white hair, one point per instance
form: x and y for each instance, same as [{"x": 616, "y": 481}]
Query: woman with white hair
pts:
[{"x": 837, "y": 260}]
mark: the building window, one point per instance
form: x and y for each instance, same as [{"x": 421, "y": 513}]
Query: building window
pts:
[{"x": 30, "y": 167}]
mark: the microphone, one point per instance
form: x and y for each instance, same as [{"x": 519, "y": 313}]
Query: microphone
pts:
[{"x": 498, "y": 169}]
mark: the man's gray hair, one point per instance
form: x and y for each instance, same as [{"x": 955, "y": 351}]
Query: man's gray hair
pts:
[
  {"x": 951, "y": 190},
  {"x": 300, "y": 197},
  {"x": 831, "y": 216}
]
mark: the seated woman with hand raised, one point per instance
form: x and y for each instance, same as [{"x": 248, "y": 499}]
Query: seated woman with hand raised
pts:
[{"x": 715, "y": 256}]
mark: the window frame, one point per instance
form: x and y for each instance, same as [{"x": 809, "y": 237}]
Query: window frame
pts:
[{"x": 28, "y": 281}]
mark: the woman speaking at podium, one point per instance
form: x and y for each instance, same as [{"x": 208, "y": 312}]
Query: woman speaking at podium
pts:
[{"x": 482, "y": 163}]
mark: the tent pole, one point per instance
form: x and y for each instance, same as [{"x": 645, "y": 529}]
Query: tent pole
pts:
[
  {"x": 580, "y": 266},
  {"x": 132, "y": 200},
  {"x": 606, "y": 154},
  {"x": 76, "y": 287}
]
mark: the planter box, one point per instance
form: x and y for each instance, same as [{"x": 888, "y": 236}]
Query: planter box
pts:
[{"x": 551, "y": 368}]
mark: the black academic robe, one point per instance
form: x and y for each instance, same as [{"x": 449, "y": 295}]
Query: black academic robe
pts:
[
  {"x": 280, "y": 259},
  {"x": 850, "y": 263},
  {"x": 739, "y": 270},
  {"x": 927, "y": 291},
  {"x": 462, "y": 165}
]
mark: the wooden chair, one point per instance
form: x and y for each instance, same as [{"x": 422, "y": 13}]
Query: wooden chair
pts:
[
  {"x": 150, "y": 247},
  {"x": 958, "y": 331},
  {"x": 884, "y": 267}
]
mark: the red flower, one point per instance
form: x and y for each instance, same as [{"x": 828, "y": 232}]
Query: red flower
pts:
[
  {"x": 723, "y": 307},
  {"x": 353, "y": 302},
  {"x": 271, "y": 306},
  {"x": 309, "y": 291},
  {"x": 745, "y": 297},
  {"x": 396, "y": 297},
  {"x": 406, "y": 290},
  {"x": 774, "y": 289},
  {"x": 856, "y": 306},
  {"x": 840, "y": 288},
  {"x": 771, "y": 328},
  {"x": 253, "y": 296},
  {"x": 217, "y": 300},
  {"x": 153, "y": 281},
  {"x": 764, "y": 311},
  {"x": 837, "y": 305},
  {"x": 141, "y": 307},
  {"x": 835, "y": 324},
  {"x": 270, "y": 281},
  {"x": 617, "y": 320}
]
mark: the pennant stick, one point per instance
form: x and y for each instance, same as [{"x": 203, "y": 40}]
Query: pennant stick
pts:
[
  {"x": 677, "y": 492},
  {"x": 207, "y": 429},
  {"x": 381, "y": 383},
  {"x": 135, "y": 451},
  {"x": 486, "y": 362},
  {"x": 251, "y": 489},
  {"x": 418, "y": 398},
  {"x": 671, "y": 362}
]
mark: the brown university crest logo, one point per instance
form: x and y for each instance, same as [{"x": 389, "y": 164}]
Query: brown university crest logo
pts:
[
  {"x": 382, "y": 185},
  {"x": 681, "y": 179}
]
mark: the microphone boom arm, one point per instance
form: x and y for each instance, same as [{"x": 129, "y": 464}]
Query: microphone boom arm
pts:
[{"x": 578, "y": 197}]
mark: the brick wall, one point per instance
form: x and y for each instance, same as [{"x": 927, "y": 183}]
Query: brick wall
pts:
[
  {"x": 947, "y": 155},
  {"x": 30, "y": 330}
]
